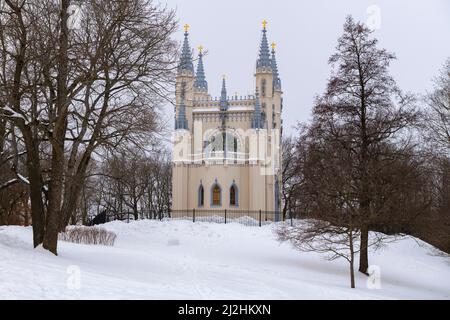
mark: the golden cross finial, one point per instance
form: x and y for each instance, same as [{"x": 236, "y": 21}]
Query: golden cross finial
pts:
[
  {"x": 200, "y": 48},
  {"x": 186, "y": 27},
  {"x": 223, "y": 77},
  {"x": 274, "y": 45},
  {"x": 264, "y": 23}
]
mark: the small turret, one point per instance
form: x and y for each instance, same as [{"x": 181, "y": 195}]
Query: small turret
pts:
[
  {"x": 223, "y": 96},
  {"x": 276, "y": 76},
  {"x": 200, "y": 80}
]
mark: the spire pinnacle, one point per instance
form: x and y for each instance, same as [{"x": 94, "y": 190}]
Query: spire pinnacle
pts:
[
  {"x": 186, "y": 63},
  {"x": 276, "y": 76},
  {"x": 223, "y": 96},
  {"x": 264, "y": 24},
  {"x": 264, "y": 53},
  {"x": 200, "y": 78}
]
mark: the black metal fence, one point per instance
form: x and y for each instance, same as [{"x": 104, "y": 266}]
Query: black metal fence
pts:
[{"x": 245, "y": 217}]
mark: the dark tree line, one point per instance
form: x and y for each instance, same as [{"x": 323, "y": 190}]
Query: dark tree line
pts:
[
  {"x": 368, "y": 161},
  {"x": 129, "y": 185},
  {"x": 72, "y": 91}
]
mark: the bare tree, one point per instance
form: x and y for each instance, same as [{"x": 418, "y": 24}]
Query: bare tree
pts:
[
  {"x": 434, "y": 227},
  {"x": 18, "y": 19},
  {"x": 293, "y": 157},
  {"x": 324, "y": 238},
  {"x": 328, "y": 201},
  {"x": 438, "y": 116},
  {"x": 363, "y": 110},
  {"x": 72, "y": 93}
]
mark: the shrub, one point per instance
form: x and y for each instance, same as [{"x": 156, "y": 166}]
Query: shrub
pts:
[{"x": 88, "y": 235}]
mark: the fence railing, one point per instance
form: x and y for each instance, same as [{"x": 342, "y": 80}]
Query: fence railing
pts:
[{"x": 245, "y": 217}]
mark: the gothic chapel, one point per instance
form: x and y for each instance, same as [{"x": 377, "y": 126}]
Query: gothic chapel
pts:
[{"x": 227, "y": 151}]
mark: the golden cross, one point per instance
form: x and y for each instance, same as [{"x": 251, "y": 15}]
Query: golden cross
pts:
[
  {"x": 264, "y": 23},
  {"x": 274, "y": 45},
  {"x": 223, "y": 77},
  {"x": 200, "y": 48},
  {"x": 186, "y": 27}
]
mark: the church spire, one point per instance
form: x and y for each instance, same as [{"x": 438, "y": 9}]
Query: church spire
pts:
[
  {"x": 186, "y": 63},
  {"x": 276, "y": 76},
  {"x": 223, "y": 96},
  {"x": 200, "y": 80},
  {"x": 181, "y": 122},
  {"x": 257, "y": 121},
  {"x": 264, "y": 53}
]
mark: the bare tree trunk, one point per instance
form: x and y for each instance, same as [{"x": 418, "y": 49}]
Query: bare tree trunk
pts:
[
  {"x": 84, "y": 215},
  {"x": 2, "y": 135},
  {"x": 31, "y": 145},
  {"x": 34, "y": 177},
  {"x": 352, "y": 254},
  {"x": 58, "y": 137},
  {"x": 352, "y": 268},
  {"x": 363, "y": 253}
]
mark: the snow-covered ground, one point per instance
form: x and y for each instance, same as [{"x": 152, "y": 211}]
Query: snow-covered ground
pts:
[{"x": 183, "y": 260}]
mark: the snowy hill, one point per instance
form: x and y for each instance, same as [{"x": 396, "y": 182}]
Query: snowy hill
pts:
[{"x": 183, "y": 260}]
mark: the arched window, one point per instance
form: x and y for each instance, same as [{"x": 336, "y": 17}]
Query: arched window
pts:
[
  {"x": 216, "y": 195},
  {"x": 201, "y": 196},
  {"x": 263, "y": 87},
  {"x": 234, "y": 195}
]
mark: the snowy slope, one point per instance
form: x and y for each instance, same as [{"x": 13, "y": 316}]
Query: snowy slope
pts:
[{"x": 182, "y": 260}]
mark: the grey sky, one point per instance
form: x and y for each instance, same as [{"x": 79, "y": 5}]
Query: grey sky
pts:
[{"x": 306, "y": 33}]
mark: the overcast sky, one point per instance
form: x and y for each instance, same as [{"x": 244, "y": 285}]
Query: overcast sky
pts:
[{"x": 306, "y": 33}]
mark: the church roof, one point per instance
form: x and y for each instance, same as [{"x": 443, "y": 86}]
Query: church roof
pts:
[
  {"x": 276, "y": 76},
  {"x": 264, "y": 53},
  {"x": 200, "y": 78},
  {"x": 223, "y": 96},
  {"x": 186, "y": 63}
]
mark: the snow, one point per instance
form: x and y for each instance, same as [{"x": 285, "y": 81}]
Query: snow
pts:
[
  {"x": 14, "y": 114},
  {"x": 185, "y": 260},
  {"x": 25, "y": 180},
  {"x": 7, "y": 183},
  {"x": 210, "y": 109},
  {"x": 241, "y": 108}
]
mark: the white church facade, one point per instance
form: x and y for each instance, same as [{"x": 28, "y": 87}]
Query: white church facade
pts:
[{"x": 227, "y": 151}]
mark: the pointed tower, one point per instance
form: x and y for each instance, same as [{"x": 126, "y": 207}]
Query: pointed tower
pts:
[
  {"x": 264, "y": 79},
  {"x": 223, "y": 96},
  {"x": 276, "y": 76},
  {"x": 200, "y": 84},
  {"x": 223, "y": 104},
  {"x": 184, "y": 90},
  {"x": 186, "y": 63},
  {"x": 266, "y": 124},
  {"x": 264, "y": 53}
]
